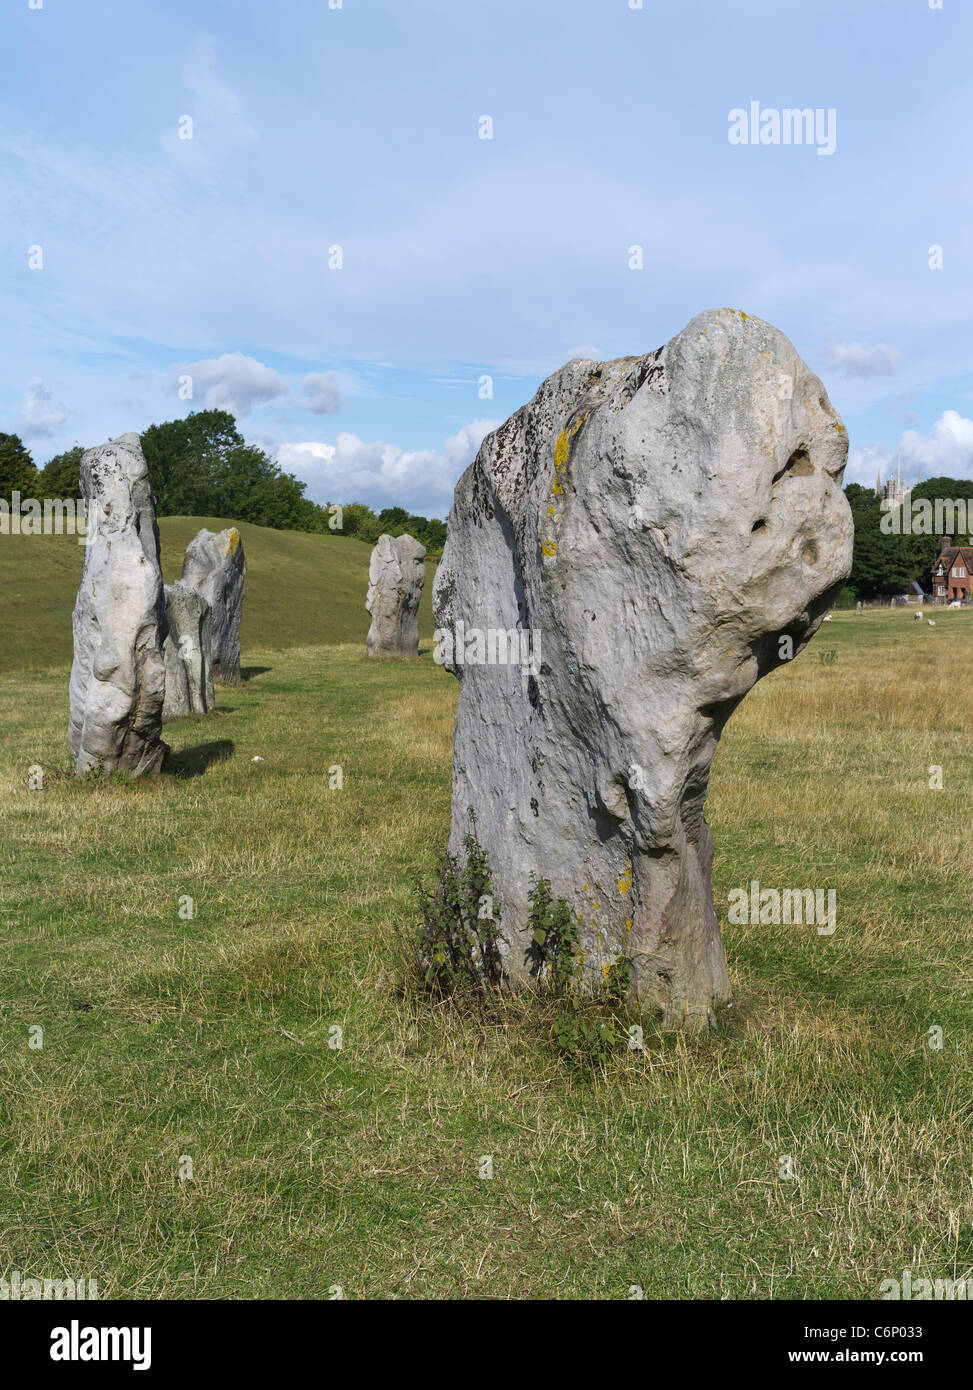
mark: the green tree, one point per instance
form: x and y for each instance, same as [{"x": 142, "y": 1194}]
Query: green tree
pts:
[
  {"x": 882, "y": 564},
  {"x": 357, "y": 518},
  {"x": 61, "y": 475},
  {"x": 17, "y": 470},
  {"x": 394, "y": 520},
  {"x": 184, "y": 457},
  {"x": 202, "y": 466}
]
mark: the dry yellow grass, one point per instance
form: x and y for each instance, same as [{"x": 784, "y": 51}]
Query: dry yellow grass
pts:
[{"x": 315, "y": 1166}]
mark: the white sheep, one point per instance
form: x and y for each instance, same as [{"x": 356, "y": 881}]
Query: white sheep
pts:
[
  {"x": 931, "y": 622},
  {"x": 917, "y": 616}
]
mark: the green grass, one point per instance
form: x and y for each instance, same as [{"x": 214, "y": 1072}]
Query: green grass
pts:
[
  {"x": 301, "y": 589},
  {"x": 316, "y": 1167}
]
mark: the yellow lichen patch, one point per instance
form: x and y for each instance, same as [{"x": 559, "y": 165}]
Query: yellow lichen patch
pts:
[
  {"x": 563, "y": 444},
  {"x": 628, "y": 924},
  {"x": 625, "y": 882},
  {"x": 232, "y": 541},
  {"x": 561, "y": 451}
]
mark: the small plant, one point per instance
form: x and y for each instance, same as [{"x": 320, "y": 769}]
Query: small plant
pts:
[
  {"x": 457, "y": 946},
  {"x": 585, "y": 1033},
  {"x": 587, "y": 1029},
  {"x": 455, "y": 953},
  {"x": 554, "y": 948},
  {"x": 95, "y": 776}
]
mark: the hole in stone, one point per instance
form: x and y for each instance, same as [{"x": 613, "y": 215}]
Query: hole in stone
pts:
[
  {"x": 810, "y": 553},
  {"x": 799, "y": 465},
  {"x": 758, "y": 525}
]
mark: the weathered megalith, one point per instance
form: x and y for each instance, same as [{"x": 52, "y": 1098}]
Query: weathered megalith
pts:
[
  {"x": 626, "y": 557},
  {"x": 396, "y": 575},
  {"x": 216, "y": 568},
  {"x": 118, "y": 677},
  {"x": 188, "y": 652}
]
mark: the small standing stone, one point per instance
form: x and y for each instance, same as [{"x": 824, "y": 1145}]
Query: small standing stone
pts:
[
  {"x": 188, "y": 652},
  {"x": 396, "y": 575},
  {"x": 118, "y": 677},
  {"x": 216, "y": 568}
]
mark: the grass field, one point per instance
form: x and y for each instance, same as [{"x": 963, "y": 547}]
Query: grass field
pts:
[
  {"x": 301, "y": 589},
  {"x": 314, "y": 1167}
]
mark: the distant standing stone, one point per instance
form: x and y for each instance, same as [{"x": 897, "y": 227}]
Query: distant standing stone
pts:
[
  {"x": 396, "y": 575},
  {"x": 858, "y": 609},
  {"x": 216, "y": 568},
  {"x": 188, "y": 652},
  {"x": 118, "y": 677}
]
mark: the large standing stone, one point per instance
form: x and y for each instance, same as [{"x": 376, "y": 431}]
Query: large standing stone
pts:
[
  {"x": 396, "y": 575},
  {"x": 118, "y": 677},
  {"x": 188, "y": 652},
  {"x": 667, "y": 529},
  {"x": 216, "y": 568}
]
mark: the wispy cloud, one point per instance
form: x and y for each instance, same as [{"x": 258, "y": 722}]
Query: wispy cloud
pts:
[
  {"x": 211, "y": 124},
  {"x": 322, "y": 393},
  {"x": 857, "y": 359},
  {"x": 40, "y": 415}
]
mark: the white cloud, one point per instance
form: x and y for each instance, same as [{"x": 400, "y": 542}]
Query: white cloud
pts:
[
  {"x": 40, "y": 415},
  {"x": 323, "y": 392},
  {"x": 865, "y": 462},
  {"x": 219, "y": 126},
  {"x": 233, "y": 382},
  {"x": 461, "y": 448},
  {"x": 382, "y": 474},
  {"x": 586, "y": 352},
  {"x": 857, "y": 359},
  {"x": 946, "y": 451}
]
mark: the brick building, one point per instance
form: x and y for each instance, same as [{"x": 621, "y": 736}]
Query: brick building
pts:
[{"x": 952, "y": 574}]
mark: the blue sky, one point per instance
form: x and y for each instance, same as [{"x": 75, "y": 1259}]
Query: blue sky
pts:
[{"x": 464, "y": 257}]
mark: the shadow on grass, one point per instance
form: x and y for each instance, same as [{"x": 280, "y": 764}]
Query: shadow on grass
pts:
[
  {"x": 247, "y": 673},
  {"x": 195, "y": 762}
]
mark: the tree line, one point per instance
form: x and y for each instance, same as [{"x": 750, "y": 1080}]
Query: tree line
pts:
[
  {"x": 202, "y": 466},
  {"x": 886, "y": 562}
]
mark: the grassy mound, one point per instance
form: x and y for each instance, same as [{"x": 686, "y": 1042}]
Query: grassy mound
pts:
[{"x": 302, "y": 590}]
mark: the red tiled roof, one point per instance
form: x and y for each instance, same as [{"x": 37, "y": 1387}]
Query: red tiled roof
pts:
[{"x": 949, "y": 556}]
